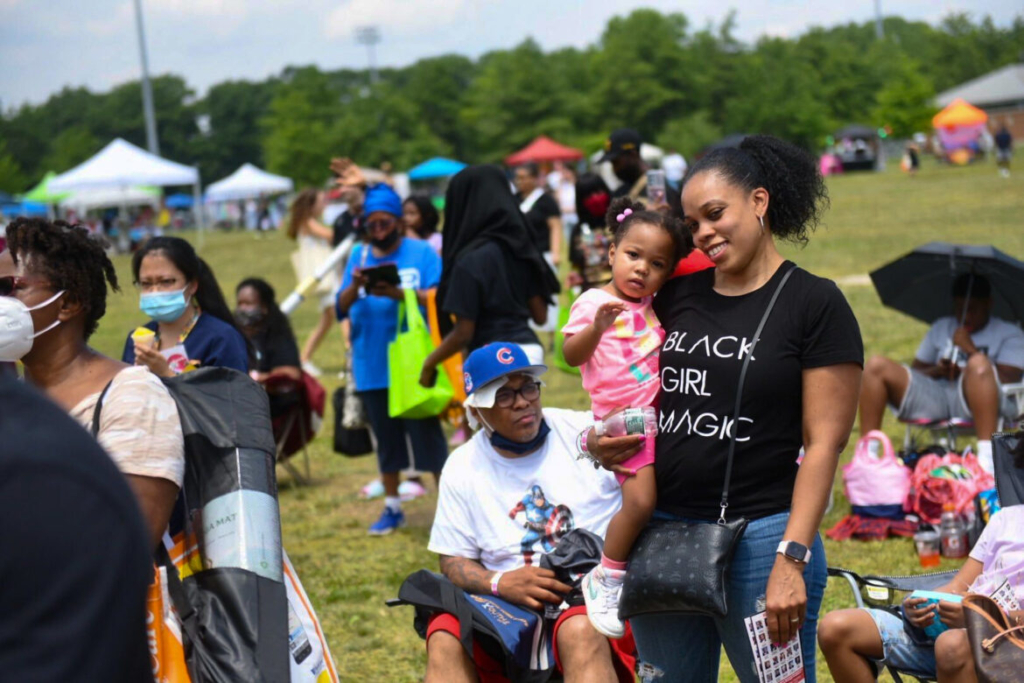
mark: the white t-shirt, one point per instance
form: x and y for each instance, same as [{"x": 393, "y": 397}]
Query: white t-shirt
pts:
[
  {"x": 488, "y": 503},
  {"x": 1001, "y": 341}
]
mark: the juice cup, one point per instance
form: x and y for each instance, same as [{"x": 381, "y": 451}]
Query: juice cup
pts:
[{"x": 928, "y": 545}]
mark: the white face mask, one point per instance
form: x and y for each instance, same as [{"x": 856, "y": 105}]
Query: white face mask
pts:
[{"x": 16, "y": 329}]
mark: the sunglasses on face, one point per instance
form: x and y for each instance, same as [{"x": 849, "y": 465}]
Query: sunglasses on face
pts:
[
  {"x": 505, "y": 398},
  {"x": 380, "y": 224}
]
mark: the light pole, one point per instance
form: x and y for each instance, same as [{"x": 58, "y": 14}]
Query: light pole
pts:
[
  {"x": 879, "y": 31},
  {"x": 370, "y": 36},
  {"x": 152, "y": 142}
]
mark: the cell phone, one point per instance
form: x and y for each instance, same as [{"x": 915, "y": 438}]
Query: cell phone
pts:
[
  {"x": 385, "y": 272},
  {"x": 656, "y": 186}
]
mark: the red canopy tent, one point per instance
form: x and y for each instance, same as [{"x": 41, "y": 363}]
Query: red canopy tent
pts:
[{"x": 542, "y": 150}]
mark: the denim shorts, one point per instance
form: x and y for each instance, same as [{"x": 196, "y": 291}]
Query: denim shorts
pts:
[{"x": 898, "y": 650}]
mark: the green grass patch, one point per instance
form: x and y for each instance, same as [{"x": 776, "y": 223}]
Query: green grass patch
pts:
[{"x": 874, "y": 218}]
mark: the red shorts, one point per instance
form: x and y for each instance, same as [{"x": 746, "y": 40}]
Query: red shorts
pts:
[{"x": 491, "y": 671}]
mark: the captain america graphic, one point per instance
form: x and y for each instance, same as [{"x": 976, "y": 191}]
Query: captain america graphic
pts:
[{"x": 544, "y": 522}]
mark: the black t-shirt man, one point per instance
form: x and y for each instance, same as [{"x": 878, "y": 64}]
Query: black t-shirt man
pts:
[
  {"x": 544, "y": 208},
  {"x": 75, "y": 560},
  {"x": 492, "y": 289},
  {"x": 707, "y": 336}
]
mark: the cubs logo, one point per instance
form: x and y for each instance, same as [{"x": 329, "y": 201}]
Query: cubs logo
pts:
[
  {"x": 505, "y": 356},
  {"x": 468, "y": 380}
]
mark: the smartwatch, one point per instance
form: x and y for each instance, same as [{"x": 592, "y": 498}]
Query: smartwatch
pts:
[{"x": 795, "y": 551}]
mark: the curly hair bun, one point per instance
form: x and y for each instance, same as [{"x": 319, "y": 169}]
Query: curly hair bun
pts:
[{"x": 797, "y": 193}]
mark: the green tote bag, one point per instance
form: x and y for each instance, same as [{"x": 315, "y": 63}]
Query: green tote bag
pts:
[{"x": 406, "y": 398}]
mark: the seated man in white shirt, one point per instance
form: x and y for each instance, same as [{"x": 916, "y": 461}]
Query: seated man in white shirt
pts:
[
  {"x": 958, "y": 371},
  {"x": 507, "y": 496}
]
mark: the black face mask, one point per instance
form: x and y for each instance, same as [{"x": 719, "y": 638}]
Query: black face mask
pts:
[
  {"x": 385, "y": 243},
  {"x": 506, "y": 444},
  {"x": 249, "y": 318}
]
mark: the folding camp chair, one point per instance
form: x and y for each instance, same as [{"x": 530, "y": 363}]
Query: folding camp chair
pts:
[
  {"x": 946, "y": 431},
  {"x": 1009, "y": 477},
  {"x": 886, "y": 592},
  {"x": 297, "y": 421}
]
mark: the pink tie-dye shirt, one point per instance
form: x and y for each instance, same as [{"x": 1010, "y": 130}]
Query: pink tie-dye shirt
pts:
[{"x": 623, "y": 371}]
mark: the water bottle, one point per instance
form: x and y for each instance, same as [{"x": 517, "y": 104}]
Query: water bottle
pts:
[
  {"x": 629, "y": 422},
  {"x": 953, "y": 533}
]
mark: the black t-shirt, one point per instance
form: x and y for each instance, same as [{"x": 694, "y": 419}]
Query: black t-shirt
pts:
[
  {"x": 544, "y": 208},
  {"x": 344, "y": 225},
  {"x": 707, "y": 337},
  {"x": 75, "y": 560},
  {"x": 491, "y": 289},
  {"x": 275, "y": 348}
]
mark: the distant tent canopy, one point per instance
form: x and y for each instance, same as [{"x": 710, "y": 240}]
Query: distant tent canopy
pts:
[
  {"x": 543, "y": 150},
  {"x": 248, "y": 182},
  {"x": 122, "y": 164},
  {"x": 179, "y": 201},
  {"x": 112, "y": 197},
  {"x": 42, "y": 194},
  {"x": 438, "y": 167},
  {"x": 959, "y": 125}
]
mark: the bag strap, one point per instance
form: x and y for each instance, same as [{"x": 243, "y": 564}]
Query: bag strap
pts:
[
  {"x": 739, "y": 393},
  {"x": 413, "y": 316},
  {"x": 98, "y": 409},
  {"x": 187, "y": 614}
]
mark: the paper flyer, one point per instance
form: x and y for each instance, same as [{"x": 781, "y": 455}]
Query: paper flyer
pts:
[{"x": 774, "y": 664}]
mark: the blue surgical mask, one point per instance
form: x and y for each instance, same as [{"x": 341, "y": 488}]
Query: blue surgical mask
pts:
[
  {"x": 164, "y": 307},
  {"x": 505, "y": 444}
]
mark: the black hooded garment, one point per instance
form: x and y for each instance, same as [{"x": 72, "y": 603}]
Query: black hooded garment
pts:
[{"x": 479, "y": 208}]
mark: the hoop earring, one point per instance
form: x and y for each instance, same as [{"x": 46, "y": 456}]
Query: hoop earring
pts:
[{"x": 760, "y": 219}]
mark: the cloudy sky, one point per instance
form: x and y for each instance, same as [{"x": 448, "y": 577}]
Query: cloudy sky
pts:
[{"x": 47, "y": 45}]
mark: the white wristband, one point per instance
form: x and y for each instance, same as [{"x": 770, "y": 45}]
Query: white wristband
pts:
[{"x": 494, "y": 583}]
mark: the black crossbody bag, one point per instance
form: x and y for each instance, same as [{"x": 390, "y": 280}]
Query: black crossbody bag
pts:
[{"x": 678, "y": 566}]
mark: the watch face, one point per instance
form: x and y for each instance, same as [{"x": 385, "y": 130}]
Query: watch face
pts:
[{"x": 796, "y": 551}]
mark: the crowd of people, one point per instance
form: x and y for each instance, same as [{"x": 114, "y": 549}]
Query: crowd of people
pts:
[{"x": 667, "y": 295}]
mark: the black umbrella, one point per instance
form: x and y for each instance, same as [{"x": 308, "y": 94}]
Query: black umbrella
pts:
[{"x": 920, "y": 283}]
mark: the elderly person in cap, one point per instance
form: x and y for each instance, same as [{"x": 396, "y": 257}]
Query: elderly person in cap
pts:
[
  {"x": 499, "y": 493},
  {"x": 372, "y": 309}
]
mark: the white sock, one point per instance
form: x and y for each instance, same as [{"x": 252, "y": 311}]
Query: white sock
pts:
[
  {"x": 985, "y": 456},
  {"x": 393, "y": 503}
]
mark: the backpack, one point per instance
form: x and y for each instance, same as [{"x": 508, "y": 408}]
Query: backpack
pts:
[
  {"x": 876, "y": 486},
  {"x": 222, "y": 553},
  {"x": 950, "y": 478},
  {"x": 518, "y": 637}
]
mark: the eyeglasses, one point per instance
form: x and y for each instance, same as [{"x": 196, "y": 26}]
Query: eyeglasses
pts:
[
  {"x": 506, "y": 397},
  {"x": 165, "y": 285},
  {"x": 381, "y": 224},
  {"x": 9, "y": 283}
]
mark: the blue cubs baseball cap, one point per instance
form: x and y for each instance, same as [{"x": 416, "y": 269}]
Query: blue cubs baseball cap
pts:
[{"x": 487, "y": 369}]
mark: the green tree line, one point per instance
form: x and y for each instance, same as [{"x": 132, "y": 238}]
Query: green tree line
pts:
[{"x": 679, "y": 85}]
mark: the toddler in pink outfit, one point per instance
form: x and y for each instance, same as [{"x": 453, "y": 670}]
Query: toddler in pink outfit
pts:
[{"x": 614, "y": 337}]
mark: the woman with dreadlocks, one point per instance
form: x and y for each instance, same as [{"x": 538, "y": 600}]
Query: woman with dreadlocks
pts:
[{"x": 53, "y": 292}]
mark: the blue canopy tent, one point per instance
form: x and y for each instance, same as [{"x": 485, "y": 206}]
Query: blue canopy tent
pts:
[
  {"x": 179, "y": 201},
  {"x": 24, "y": 209},
  {"x": 438, "y": 167}
]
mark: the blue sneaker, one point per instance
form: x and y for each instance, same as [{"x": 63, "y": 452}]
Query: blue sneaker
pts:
[{"x": 388, "y": 522}]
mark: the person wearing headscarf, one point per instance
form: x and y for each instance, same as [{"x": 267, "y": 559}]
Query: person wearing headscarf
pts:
[
  {"x": 494, "y": 279},
  {"x": 370, "y": 301}
]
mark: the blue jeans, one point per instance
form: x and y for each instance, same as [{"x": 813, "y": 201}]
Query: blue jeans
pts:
[{"x": 687, "y": 648}]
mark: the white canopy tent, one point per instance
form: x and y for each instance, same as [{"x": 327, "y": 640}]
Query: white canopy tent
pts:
[
  {"x": 246, "y": 183},
  {"x": 121, "y": 165},
  {"x": 101, "y": 197}
]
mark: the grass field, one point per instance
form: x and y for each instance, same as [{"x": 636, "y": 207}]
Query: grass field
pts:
[{"x": 874, "y": 218}]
